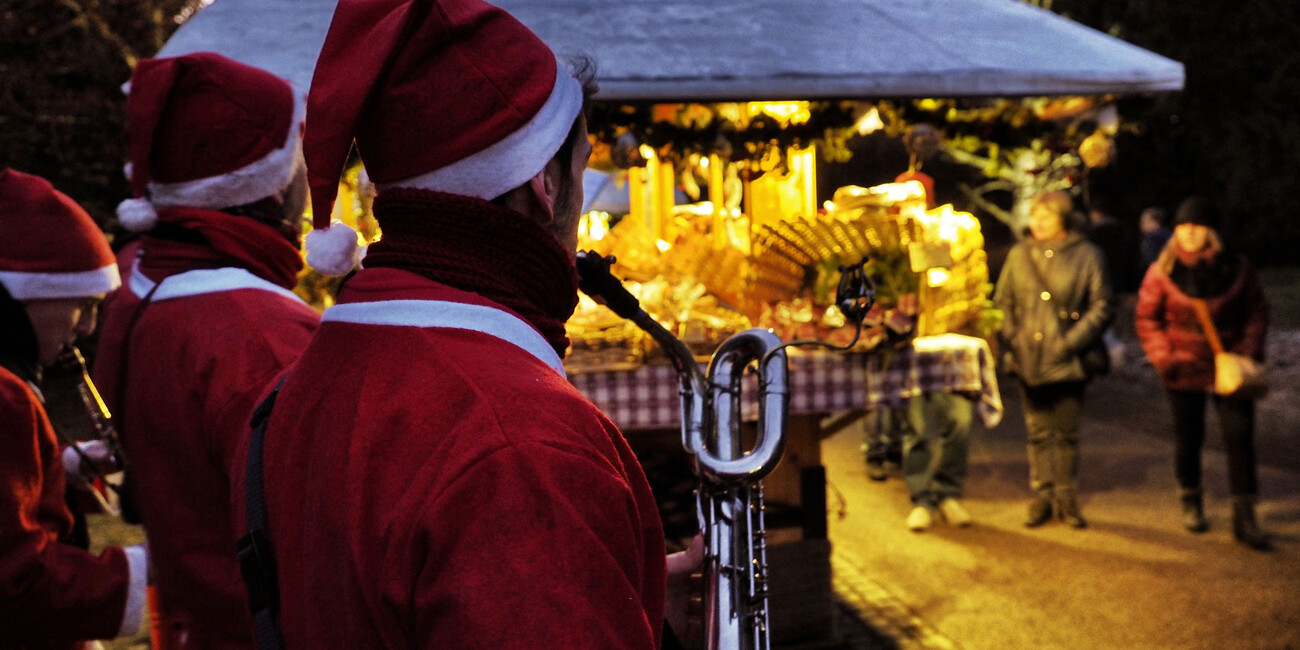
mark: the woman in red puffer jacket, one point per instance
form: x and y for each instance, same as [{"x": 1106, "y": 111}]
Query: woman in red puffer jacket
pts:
[{"x": 1195, "y": 265}]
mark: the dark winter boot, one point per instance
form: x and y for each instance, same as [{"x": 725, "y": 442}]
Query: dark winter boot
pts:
[
  {"x": 1040, "y": 510},
  {"x": 1067, "y": 508},
  {"x": 1193, "y": 511},
  {"x": 876, "y": 470},
  {"x": 1244, "y": 527}
]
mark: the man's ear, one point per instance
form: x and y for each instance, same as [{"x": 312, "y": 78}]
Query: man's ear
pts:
[{"x": 545, "y": 188}]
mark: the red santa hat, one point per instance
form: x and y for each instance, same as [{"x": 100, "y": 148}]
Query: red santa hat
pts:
[
  {"x": 207, "y": 132},
  {"x": 49, "y": 246},
  {"x": 454, "y": 96}
]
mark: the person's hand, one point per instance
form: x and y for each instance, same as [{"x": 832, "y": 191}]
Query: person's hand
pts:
[
  {"x": 681, "y": 566},
  {"x": 94, "y": 460}
]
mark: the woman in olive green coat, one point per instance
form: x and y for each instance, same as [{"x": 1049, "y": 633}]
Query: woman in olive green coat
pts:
[{"x": 1056, "y": 302}]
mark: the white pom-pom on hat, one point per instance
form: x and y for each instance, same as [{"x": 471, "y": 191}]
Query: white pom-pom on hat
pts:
[
  {"x": 333, "y": 250},
  {"x": 137, "y": 215}
]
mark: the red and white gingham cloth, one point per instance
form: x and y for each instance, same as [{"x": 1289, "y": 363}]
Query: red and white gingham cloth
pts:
[
  {"x": 820, "y": 382},
  {"x": 949, "y": 363}
]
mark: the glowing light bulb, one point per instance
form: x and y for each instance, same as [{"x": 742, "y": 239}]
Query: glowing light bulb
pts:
[
  {"x": 936, "y": 277},
  {"x": 869, "y": 123},
  {"x": 948, "y": 231}
]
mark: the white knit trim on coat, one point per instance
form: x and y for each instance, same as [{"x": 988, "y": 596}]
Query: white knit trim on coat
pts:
[
  {"x": 514, "y": 159},
  {"x": 203, "y": 281},
  {"x": 453, "y": 315},
  {"x": 252, "y": 182},
  {"x": 23, "y": 285},
  {"x": 137, "y": 559}
]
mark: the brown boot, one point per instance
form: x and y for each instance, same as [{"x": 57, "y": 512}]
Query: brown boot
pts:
[
  {"x": 1244, "y": 527},
  {"x": 1067, "y": 508},
  {"x": 1193, "y": 510},
  {"x": 1040, "y": 510}
]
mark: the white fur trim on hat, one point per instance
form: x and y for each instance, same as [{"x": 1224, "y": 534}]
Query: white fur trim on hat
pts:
[
  {"x": 254, "y": 181},
  {"x": 515, "y": 158},
  {"x": 333, "y": 250},
  {"x": 23, "y": 285},
  {"x": 137, "y": 215}
]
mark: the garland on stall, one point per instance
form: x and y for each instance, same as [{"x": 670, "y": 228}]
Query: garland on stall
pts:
[
  {"x": 991, "y": 127},
  {"x": 987, "y": 128},
  {"x": 756, "y": 143}
]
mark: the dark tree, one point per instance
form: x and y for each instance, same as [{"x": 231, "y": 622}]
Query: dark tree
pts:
[
  {"x": 1230, "y": 134},
  {"x": 62, "y": 65}
]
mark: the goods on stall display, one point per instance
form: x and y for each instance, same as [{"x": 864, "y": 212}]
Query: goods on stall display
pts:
[
  {"x": 957, "y": 295},
  {"x": 786, "y": 282}
]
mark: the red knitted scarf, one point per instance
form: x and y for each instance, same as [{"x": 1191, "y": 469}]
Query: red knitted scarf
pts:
[
  {"x": 222, "y": 240},
  {"x": 481, "y": 247}
]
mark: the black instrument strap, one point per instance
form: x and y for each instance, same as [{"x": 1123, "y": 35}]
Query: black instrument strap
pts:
[{"x": 256, "y": 558}]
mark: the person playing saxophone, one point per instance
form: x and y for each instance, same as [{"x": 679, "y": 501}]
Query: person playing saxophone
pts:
[{"x": 55, "y": 267}]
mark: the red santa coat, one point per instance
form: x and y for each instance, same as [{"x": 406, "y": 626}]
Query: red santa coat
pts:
[
  {"x": 199, "y": 354},
  {"x": 1172, "y": 335},
  {"x": 50, "y": 593},
  {"x": 433, "y": 481}
]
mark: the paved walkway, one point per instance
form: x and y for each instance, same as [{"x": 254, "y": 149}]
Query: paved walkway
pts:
[{"x": 1133, "y": 579}]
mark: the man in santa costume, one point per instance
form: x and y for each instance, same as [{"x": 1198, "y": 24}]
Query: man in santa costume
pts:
[
  {"x": 206, "y": 316},
  {"x": 55, "y": 267},
  {"x": 431, "y": 480}
]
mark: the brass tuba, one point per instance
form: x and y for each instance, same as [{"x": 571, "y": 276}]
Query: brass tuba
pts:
[{"x": 730, "y": 491}]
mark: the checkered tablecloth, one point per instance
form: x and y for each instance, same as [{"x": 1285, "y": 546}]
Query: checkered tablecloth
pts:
[
  {"x": 820, "y": 382},
  {"x": 649, "y": 396},
  {"x": 946, "y": 363}
]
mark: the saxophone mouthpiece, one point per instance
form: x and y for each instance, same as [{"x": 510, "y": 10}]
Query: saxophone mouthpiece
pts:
[{"x": 597, "y": 280}]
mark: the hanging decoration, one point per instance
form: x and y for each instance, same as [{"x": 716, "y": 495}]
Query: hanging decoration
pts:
[
  {"x": 1097, "y": 150},
  {"x": 753, "y": 136}
]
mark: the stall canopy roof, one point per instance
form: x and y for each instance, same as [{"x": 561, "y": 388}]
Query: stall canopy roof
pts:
[{"x": 721, "y": 50}]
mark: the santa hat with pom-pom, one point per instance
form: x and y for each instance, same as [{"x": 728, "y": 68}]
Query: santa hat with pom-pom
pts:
[
  {"x": 49, "y": 247},
  {"x": 454, "y": 96},
  {"x": 207, "y": 132}
]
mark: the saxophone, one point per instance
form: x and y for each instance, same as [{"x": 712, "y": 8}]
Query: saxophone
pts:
[
  {"x": 101, "y": 420},
  {"x": 729, "y": 496}
]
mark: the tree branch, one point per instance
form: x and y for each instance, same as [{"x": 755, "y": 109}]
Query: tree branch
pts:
[
  {"x": 977, "y": 197},
  {"x": 88, "y": 13}
]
